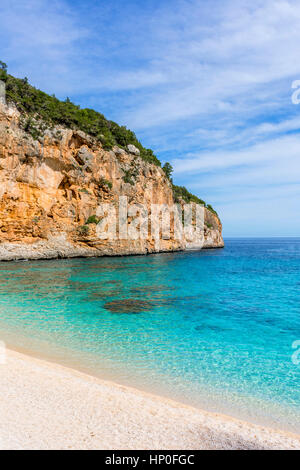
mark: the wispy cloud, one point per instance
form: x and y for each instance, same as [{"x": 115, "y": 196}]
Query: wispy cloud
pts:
[
  {"x": 286, "y": 148},
  {"x": 39, "y": 39},
  {"x": 230, "y": 64}
]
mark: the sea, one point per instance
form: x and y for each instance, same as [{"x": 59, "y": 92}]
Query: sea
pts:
[{"x": 217, "y": 329}]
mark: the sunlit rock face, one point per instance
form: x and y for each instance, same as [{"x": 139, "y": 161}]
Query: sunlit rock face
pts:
[{"x": 50, "y": 187}]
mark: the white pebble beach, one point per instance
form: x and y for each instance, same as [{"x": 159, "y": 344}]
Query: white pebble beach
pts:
[{"x": 48, "y": 406}]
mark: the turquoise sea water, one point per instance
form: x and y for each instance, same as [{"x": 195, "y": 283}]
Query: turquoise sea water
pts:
[{"x": 212, "y": 328}]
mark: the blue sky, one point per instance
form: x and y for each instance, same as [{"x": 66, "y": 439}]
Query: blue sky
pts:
[{"x": 205, "y": 84}]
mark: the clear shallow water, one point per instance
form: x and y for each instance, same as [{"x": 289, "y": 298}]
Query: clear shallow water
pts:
[{"x": 215, "y": 327}]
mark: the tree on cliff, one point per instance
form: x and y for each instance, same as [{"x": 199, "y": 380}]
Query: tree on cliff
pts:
[
  {"x": 41, "y": 111},
  {"x": 168, "y": 169},
  {"x": 3, "y": 70},
  {"x": 3, "y": 66}
]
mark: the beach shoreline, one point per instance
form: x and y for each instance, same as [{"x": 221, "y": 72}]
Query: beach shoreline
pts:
[{"x": 45, "y": 405}]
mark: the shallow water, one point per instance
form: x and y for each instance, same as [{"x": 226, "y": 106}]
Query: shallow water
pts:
[{"x": 212, "y": 328}]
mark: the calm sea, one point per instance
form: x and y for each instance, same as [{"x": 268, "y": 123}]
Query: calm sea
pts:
[{"x": 212, "y": 328}]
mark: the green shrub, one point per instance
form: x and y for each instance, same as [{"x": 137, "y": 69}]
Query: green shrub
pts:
[
  {"x": 131, "y": 174},
  {"x": 3, "y": 70},
  {"x": 168, "y": 169},
  {"x": 83, "y": 230},
  {"x": 211, "y": 209},
  {"x": 38, "y": 105},
  {"x": 92, "y": 220},
  {"x": 180, "y": 192},
  {"x": 41, "y": 111},
  {"x": 103, "y": 182},
  {"x": 127, "y": 178}
]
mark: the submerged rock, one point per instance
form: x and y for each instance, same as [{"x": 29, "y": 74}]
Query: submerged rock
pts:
[
  {"x": 150, "y": 289},
  {"x": 101, "y": 294},
  {"x": 128, "y": 306}
]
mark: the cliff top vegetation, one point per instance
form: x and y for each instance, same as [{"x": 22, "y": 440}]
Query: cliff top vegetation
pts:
[{"x": 38, "y": 106}]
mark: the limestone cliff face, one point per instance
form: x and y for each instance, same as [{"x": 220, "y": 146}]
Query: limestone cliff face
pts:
[{"x": 50, "y": 187}]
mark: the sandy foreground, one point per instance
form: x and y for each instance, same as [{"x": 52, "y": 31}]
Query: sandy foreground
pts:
[{"x": 47, "y": 406}]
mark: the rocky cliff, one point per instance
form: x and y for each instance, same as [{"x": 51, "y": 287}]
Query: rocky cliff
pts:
[{"x": 51, "y": 186}]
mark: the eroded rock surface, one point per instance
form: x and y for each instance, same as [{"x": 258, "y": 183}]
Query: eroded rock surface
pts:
[{"x": 50, "y": 187}]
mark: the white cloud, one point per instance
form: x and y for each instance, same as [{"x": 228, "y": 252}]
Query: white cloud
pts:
[
  {"x": 233, "y": 64},
  {"x": 252, "y": 189},
  {"x": 227, "y": 133},
  {"x": 286, "y": 148}
]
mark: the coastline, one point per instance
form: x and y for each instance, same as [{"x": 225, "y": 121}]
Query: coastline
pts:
[
  {"x": 55, "y": 254},
  {"x": 61, "y": 408}
]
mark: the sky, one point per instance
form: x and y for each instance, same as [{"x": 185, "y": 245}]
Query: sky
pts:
[{"x": 206, "y": 84}]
